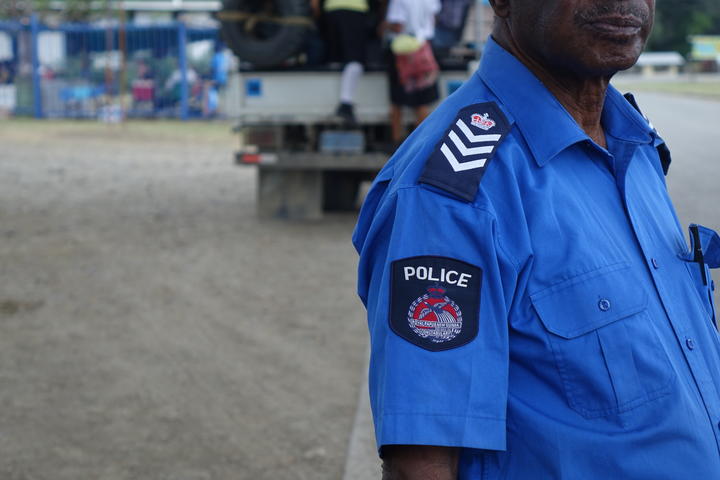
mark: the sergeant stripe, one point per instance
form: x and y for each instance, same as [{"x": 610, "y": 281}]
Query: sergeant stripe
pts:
[
  {"x": 465, "y": 151},
  {"x": 476, "y": 138},
  {"x": 457, "y": 166}
]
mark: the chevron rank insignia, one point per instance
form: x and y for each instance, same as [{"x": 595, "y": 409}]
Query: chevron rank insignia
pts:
[{"x": 462, "y": 155}]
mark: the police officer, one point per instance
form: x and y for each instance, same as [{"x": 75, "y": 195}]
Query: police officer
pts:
[{"x": 534, "y": 310}]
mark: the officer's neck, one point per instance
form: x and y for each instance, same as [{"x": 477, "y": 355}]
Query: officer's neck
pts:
[
  {"x": 583, "y": 99},
  {"x": 582, "y": 96}
]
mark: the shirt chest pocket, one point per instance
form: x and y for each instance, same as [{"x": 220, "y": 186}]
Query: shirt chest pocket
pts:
[{"x": 607, "y": 352}]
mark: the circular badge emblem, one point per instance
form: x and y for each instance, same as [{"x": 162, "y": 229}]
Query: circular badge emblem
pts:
[{"x": 435, "y": 316}]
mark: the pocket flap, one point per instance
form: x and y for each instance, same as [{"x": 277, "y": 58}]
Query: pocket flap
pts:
[{"x": 589, "y": 301}]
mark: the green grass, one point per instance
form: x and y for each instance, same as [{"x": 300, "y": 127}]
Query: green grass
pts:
[{"x": 705, "y": 89}]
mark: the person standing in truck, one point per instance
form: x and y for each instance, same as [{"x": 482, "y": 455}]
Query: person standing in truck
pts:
[
  {"x": 346, "y": 22},
  {"x": 412, "y": 70}
]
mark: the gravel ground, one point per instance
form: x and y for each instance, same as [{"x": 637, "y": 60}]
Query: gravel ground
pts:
[{"x": 151, "y": 327}]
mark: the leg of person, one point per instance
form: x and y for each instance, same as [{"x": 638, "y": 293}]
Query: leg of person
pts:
[
  {"x": 397, "y": 100},
  {"x": 396, "y": 126},
  {"x": 352, "y": 42},
  {"x": 350, "y": 77},
  {"x": 421, "y": 113},
  {"x": 348, "y": 85},
  {"x": 421, "y": 100},
  {"x": 332, "y": 30}
]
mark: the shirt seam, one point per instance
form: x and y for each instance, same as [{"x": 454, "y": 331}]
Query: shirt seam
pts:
[
  {"x": 495, "y": 419},
  {"x": 448, "y": 187},
  {"x": 511, "y": 259}
]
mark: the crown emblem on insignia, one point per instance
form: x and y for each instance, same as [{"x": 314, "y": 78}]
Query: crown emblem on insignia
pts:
[{"x": 483, "y": 121}]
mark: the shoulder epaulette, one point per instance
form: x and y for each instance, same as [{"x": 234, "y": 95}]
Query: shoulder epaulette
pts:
[
  {"x": 662, "y": 149},
  {"x": 463, "y": 153}
]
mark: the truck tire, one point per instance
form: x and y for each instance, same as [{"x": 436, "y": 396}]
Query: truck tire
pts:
[{"x": 262, "y": 42}]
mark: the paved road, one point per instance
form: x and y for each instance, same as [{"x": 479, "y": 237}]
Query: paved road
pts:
[{"x": 690, "y": 126}]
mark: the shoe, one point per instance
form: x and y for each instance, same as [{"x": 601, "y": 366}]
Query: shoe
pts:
[{"x": 346, "y": 113}]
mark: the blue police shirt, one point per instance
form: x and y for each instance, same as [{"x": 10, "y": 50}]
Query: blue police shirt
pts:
[{"x": 531, "y": 297}]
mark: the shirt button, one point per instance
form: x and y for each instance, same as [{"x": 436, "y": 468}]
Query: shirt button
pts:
[
  {"x": 604, "y": 304},
  {"x": 690, "y": 343},
  {"x": 655, "y": 263}
]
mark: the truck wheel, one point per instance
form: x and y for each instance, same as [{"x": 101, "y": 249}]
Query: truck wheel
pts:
[{"x": 265, "y": 32}]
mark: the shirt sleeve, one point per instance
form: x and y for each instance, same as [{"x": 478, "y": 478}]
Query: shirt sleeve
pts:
[
  {"x": 396, "y": 12},
  {"x": 437, "y": 287},
  {"x": 436, "y": 6}
]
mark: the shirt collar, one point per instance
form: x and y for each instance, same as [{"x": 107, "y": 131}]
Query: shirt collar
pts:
[
  {"x": 546, "y": 126},
  {"x": 621, "y": 120}
]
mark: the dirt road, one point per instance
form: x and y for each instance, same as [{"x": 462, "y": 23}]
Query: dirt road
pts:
[{"x": 151, "y": 327}]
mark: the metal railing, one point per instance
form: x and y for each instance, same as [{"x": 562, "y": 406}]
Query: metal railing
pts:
[{"x": 110, "y": 70}]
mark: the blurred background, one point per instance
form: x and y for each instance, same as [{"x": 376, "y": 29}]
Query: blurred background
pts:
[{"x": 177, "y": 283}]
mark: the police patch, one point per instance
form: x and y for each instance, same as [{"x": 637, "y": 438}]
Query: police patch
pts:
[
  {"x": 462, "y": 155},
  {"x": 435, "y": 301}
]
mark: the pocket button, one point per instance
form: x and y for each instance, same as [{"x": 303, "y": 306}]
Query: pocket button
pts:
[{"x": 604, "y": 304}]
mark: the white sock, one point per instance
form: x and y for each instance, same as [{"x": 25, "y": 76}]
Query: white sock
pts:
[{"x": 350, "y": 77}]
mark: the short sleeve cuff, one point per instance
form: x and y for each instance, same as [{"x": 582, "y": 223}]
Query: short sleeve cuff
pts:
[{"x": 441, "y": 430}]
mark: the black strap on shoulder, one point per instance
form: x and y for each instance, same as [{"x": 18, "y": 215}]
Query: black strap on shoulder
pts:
[{"x": 662, "y": 149}]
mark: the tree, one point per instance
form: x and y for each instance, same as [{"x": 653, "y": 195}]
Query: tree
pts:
[
  {"x": 77, "y": 10},
  {"x": 676, "y": 20},
  {"x": 15, "y": 8},
  {"x": 72, "y": 10}
]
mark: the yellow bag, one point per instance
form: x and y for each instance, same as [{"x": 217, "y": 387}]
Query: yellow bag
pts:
[{"x": 404, "y": 44}]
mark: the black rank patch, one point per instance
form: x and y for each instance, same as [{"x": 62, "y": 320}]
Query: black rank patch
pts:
[
  {"x": 463, "y": 154},
  {"x": 435, "y": 301}
]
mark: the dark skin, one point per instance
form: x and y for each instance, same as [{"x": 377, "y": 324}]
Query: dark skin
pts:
[
  {"x": 574, "y": 47},
  {"x": 411, "y": 462}
]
